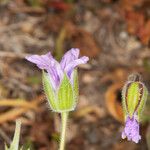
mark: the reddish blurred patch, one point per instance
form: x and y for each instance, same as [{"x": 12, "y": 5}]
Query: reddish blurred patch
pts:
[
  {"x": 138, "y": 23},
  {"x": 59, "y": 6}
]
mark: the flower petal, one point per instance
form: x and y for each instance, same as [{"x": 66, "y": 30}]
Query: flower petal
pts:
[
  {"x": 69, "y": 56},
  {"x": 48, "y": 63},
  {"x": 69, "y": 68},
  {"x": 56, "y": 72},
  {"x": 131, "y": 130},
  {"x": 42, "y": 61}
]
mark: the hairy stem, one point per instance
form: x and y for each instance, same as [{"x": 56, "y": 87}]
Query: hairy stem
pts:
[{"x": 64, "y": 117}]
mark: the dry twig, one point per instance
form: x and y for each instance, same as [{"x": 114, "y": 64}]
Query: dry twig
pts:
[{"x": 16, "y": 112}]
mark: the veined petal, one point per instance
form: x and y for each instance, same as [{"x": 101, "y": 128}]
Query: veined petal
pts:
[
  {"x": 48, "y": 63},
  {"x": 69, "y": 56},
  {"x": 131, "y": 130},
  {"x": 42, "y": 61},
  {"x": 69, "y": 68},
  {"x": 55, "y": 72}
]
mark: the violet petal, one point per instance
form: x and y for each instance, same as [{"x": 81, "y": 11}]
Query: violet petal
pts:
[
  {"x": 48, "y": 63},
  {"x": 42, "y": 61},
  {"x": 69, "y": 56},
  {"x": 69, "y": 68},
  {"x": 131, "y": 130}
]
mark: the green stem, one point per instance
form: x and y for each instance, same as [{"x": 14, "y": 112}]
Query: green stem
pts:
[
  {"x": 64, "y": 117},
  {"x": 59, "y": 43}
]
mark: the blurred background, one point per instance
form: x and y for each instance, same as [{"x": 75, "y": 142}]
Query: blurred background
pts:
[{"x": 115, "y": 34}]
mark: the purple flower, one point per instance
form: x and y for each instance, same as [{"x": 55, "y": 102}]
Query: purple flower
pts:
[
  {"x": 56, "y": 70},
  {"x": 131, "y": 130},
  {"x": 134, "y": 96}
]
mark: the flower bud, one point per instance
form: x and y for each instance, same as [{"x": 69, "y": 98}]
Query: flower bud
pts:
[{"x": 134, "y": 95}]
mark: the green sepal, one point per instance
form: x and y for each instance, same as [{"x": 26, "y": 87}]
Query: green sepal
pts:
[
  {"x": 143, "y": 101},
  {"x": 124, "y": 90},
  {"x": 132, "y": 98},
  {"x": 49, "y": 91},
  {"x": 65, "y": 95},
  {"x": 75, "y": 85}
]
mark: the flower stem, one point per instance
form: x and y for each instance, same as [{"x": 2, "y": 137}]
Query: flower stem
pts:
[{"x": 64, "y": 117}]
